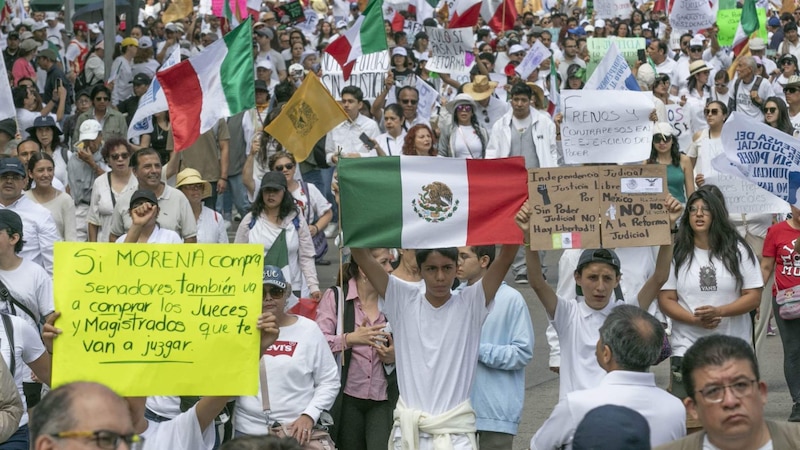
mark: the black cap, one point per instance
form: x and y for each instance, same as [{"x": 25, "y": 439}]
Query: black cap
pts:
[
  {"x": 630, "y": 430},
  {"x": 599, "y": 255},
  {"x": 9, "y": 220},
  {"x": 261, "y": 85},
  {"x": 13, "y": 35},
  {"x": 273, "y": 180},
  {"x": 143, "y": 194},
  {"x": 9, "y": 127},
  {"x": 12, "y": 165},
  {"x": 141, "y": 78},
  {"x": 421, "y": 35}
]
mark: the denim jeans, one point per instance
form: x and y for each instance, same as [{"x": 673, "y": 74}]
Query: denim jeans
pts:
[{"x": 235, "y": 195}]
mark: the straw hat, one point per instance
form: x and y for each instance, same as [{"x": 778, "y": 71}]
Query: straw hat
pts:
[
  {"x": 481, "y": 88},
  {"x": 697, "y": 67},
  {"x": 191, "y": 176}
]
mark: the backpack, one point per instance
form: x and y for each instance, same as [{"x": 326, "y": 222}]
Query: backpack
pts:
[{"x": 754, "y": 88}]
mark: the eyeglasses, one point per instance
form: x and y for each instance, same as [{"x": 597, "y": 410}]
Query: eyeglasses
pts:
[
  {"x": 790, "y": 90},
  {"x": 193, "y": 187},
  {"x": 105, "y": 439},
  {"x": 101, "y": 99},
  {"x": 11, "y": 176},
  {"x": 711, "y": 111},
  {"x": 771, "y": 110},
  {"x": 276, "y": 292},
  {"x": 288, "y": 166},
  {"x": 407, "y": 101},
  {"x": 685, "y": 43},
  {"x": 704, "y": 209},
  {"x": 695, "y": 49},
  {"x": 739, "y": 389},
  {"x": 119, "y": 156},
  {"x": 659, "y": 138},
  {"x": 464, "y": 108}
]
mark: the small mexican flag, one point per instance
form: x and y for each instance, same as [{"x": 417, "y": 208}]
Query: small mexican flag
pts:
[
  {"x": 747, "y": 26},
  {"x": 278, "y": 256},
  {"x": 213, "y": 85},
  {"x": 367, "y": 35},
  {"x": 429, "y": 202}
]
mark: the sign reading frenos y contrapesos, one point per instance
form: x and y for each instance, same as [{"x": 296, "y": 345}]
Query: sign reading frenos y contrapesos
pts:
[{"x": 152, "y": 319}]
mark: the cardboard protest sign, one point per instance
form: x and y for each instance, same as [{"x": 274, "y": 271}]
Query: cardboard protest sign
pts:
[
  {"x": 592, "y": 207},
  {"x": 598, "y": 47},
  {"x": 369, "y": 74},
  {"x": 744, "y": 197},
  {"x": 678, "y": 117},
  {"x": 608, "y": 9},
  {"x": 159, "y": 319},
  {"x": 728, "y": 20},
  {"x": 533, "y": 58},
  {"x": 449, "y": 49},
  {"x": 691, "y": 15},
  {"x": 290, "y": 13},
  {"x": 762, "y": 155},
  {"x": 602, "y": 128},
  {"x": 411, "y": 28}
]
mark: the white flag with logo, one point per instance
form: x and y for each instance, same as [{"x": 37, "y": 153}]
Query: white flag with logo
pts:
[
  {"x": 535, "y": 56},
  {"x": 153, "y": 101}
]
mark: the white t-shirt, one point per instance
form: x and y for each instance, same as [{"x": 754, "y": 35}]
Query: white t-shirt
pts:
[
  {"x": 707, "y": 282},
  {"x": 744, "y": 104},
  {"x": 436, "y": 348},
  {"x": 182, "y": 432},
  {"x": 578, "y": 328},
  {"x": 30, "y": 285},
  {"x": 302, "y": 378},
  {"x": 28, "y": 347}
]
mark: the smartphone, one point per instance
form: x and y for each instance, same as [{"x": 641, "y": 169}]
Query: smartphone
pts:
[
  {"x": 642, "y": 55},
  {"x": 367, "y": 141}
]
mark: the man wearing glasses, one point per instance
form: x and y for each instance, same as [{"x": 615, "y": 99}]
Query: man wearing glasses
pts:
[
  {"x": 791, "y": 91},
  {"x": 727, "y": 396}
]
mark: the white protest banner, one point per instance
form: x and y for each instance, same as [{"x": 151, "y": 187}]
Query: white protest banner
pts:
[
  {"x": 449, "y": 49},
  {"x": 608, "y": 9},
  {"x": 153, "y": 101},
  {"x": 427, "y": 99},
  {"x": 744, "y": 197},
  {"x": 309, "y": 26},
  {"x": 613, "y": 73},
  {"x": 602, "y": 128},
  {"x": 678, "y": 117},
  {"x": 369, "y": 74},
  {"x": 411, "y": 29},
  {"x": 691, "y": 15},
  {"x": 535, "y": 56},
  {"x": 762, "y": 155}
]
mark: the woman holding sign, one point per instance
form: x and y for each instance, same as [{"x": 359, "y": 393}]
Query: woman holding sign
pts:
[{"x": 714, "y": 281}]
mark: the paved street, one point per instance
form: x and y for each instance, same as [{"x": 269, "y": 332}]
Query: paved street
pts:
[{"x": 542, "y": 385}]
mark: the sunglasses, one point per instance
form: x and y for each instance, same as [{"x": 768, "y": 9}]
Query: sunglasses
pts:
[
  {"x": 193, "y": 187},
  {"x": 771, "y": 110},
  {"x": 787, "y": 62},
  {"x": 464, "y": 108},
  {"x": 101, "y": 99},
  {"x": 409, "y": 102},
  {"x": 711, "y": 112},
  {"x": 119, "y": 156},
  {"x": 790, "y": 90},
  {"x": 659, "y": 138},
  {"x": 288, "y": 166},
  {"x": 486, "y": 116},
  {"x": 695, "y": 49},
  {"x": 276, "y": 292}
]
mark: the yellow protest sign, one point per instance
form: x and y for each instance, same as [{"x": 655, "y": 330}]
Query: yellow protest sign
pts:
[{"x": 149, "y": 319}]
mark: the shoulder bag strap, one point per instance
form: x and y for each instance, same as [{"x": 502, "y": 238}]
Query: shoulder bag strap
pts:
[
  {"x": 5, "y": 295},
  {"x": 10, "y": 335},
  {"x": 111, "y": 190}
]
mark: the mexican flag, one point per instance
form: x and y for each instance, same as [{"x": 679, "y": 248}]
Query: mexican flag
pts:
[
  {"x": 554, "y": 98},
  {"x": 213, "y": 85},
  {"x": 278, "y": 256},
  {"x": 429, "y": 202},
  {"x": 747, "y": 26},
  {"x": 367, "y": 35}
]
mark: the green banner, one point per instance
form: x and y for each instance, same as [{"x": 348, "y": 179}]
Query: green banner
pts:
[
  {"x": 598, "y": 47},
  {"x": 728, "y": 21}
]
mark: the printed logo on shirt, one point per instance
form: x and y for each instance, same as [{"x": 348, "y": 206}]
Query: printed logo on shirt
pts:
[
  {"x": 281, "y": 348},
  {"x": 708, "y": 279},
  {"x": 791, "y": 261}
]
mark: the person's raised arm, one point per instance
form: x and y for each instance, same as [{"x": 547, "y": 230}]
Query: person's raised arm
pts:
[
  {"x": 374, "y": 272},
  {"x": 660, "y": 275},
  {"x": 497, "y": 271},
  {"x": 536, "y": 279}
]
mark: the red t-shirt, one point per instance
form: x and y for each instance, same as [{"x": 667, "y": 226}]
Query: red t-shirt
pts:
[{"x": 779, "y": 244}]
